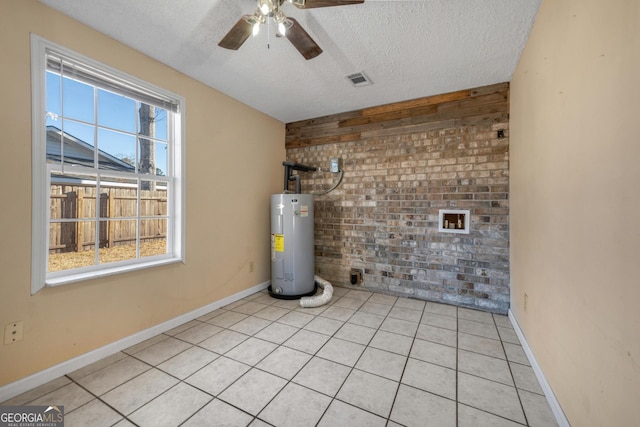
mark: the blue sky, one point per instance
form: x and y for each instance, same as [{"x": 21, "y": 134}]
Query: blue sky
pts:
[{"x": 114, "y": 111}]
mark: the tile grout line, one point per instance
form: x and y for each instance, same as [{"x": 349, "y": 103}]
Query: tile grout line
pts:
[
  {"x": 289, "y": 381},
  {"x": 124, "y": 416},
  {"x": 366, "y": 346},
  {"x": 488, "y": 379},
  {"x": 215, "y": 397},
  {"x": 515, "y": 386},
  {"x": 171, "y": 375},
  {"x": 413, "y": 341},
  {"x": 255, "y": 417},
  {"x": 352, "y": 368}
]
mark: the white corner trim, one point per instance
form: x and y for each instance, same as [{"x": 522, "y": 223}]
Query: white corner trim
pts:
[
  {"x": 39, "y": 378},
  {"x": 548, "y": 392}
]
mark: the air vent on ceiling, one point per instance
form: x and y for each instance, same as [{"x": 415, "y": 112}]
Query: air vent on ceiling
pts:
[{"x": 359, "y": 79}]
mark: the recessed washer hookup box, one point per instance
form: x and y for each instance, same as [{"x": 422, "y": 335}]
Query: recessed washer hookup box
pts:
[{"x": 454, "y": 221}]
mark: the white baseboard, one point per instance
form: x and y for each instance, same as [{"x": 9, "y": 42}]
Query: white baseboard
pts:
[
  {"x": 548, "y": 392},
  {"x": 32, "y": 381}
]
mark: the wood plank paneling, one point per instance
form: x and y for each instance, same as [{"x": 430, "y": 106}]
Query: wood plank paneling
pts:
[{"x": 482, "y": 105}]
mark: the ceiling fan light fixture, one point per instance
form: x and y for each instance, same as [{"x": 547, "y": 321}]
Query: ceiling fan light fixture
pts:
[
  {"x": 265, "y": 7},
  {"x": 285, "y": 27},
  {"x": 281, "y": 19},
  {"x": 256, "y": 18}
]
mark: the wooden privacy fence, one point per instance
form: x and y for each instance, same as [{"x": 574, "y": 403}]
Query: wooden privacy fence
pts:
[{"x": 78, "y": 202}]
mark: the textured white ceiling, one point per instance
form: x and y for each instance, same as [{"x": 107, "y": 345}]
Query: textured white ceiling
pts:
[{"x": 409, "y": 49}]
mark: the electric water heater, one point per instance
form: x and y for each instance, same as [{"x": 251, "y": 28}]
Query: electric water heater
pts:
[{"x": 292, "y": 263}]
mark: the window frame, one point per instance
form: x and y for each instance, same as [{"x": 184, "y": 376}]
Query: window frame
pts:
[{"x": 40, "y": 277}]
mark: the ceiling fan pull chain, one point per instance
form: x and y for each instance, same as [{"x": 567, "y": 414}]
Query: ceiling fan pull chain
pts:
[{"x": 268, "y": 33}]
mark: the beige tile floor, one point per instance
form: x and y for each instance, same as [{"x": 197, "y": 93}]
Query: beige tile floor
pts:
[{"x": 364, "y": 360}]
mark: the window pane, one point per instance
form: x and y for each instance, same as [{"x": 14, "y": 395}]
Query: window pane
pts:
[
  {"x": 105, "y": 171},
  {"x": 116, "y": 111},
  {"x": 152, "y": 121},
  {"x": 71, "y": 244},
  {"x": 84, "y": 134},
  {"x": 153, "y": 154},
  {"x": 119, "y": 197},
  {"x": 54, "y": 145},
  {"x": 53, "y": 96},
  {"x": 117, "y": 151},
  {"x": 153, "y": 198},
  {"x": 147, "y": 150},
  {"x": 153, "y": 158},
  {"x": 161, "y": 159},
  {"x": 121, "y": 240},
  {"x": 161, "y": 124},
  {"x": 79, "y": 141},
  {"x": 153, "y": 237},
  {"x": 72, "y": 196},
  {"x": 78, "y": 100}
]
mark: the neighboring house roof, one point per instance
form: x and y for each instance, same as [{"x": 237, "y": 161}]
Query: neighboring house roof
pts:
[{"x": 78, "y": 152}]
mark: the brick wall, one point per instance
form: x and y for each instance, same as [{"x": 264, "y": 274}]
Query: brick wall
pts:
[{"x": 403, "y": 163}]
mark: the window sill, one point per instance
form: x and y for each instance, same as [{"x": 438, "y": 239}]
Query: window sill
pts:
[{"x": 94, "y": 274}]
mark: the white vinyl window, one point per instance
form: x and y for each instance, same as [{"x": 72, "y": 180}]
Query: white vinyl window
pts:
[{"x": 107, "y": 172}]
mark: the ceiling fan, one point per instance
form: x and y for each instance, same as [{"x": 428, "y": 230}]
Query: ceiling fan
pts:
[{"x": 287, "y": 27}]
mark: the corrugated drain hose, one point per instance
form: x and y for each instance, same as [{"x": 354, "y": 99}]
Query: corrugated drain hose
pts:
[{"x": 318, "y": 300}]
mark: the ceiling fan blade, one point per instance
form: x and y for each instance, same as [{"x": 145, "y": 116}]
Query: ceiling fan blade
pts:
[
  {"x": 310, "y": 4},
  {"x": 237, "y": 35},
  {"x": 302, "y": 40}
]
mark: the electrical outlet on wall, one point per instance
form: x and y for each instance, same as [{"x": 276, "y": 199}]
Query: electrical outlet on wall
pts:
[
  {"x": 526, "y": 300},
  {"x": 13, "y": 332}
]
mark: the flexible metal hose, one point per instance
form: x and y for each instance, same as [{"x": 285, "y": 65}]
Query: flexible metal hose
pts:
[{"x": 332, "y": 188}]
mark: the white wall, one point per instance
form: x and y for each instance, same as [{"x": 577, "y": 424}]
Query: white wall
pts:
[
  {"x": 224, "y": 233},
  {"x": 575, "y": 201}
]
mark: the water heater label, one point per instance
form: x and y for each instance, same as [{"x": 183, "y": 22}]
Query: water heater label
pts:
[
  {"x": 304, "y": 210},
  {"x": 278, "y": 242}
]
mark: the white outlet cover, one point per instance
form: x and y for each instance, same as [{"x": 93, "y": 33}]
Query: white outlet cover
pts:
[{"x": 13, "y": 332}]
